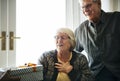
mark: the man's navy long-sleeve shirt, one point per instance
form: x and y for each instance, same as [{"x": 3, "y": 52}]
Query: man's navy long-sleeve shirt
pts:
[{"x": 101, "y": 41}]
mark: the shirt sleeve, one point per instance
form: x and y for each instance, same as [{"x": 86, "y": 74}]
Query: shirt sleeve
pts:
[{"x": 78, "y": 46}]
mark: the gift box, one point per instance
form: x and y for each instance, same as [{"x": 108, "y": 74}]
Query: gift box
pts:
[{"x": 28, "y": 73}]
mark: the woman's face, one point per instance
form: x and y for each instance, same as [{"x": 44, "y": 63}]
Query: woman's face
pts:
[
  {"x": 62, "y": 42},
  {"x": 91, "y": 9}
]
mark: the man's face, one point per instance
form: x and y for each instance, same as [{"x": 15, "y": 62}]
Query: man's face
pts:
[{"x": 91, "y": 10}]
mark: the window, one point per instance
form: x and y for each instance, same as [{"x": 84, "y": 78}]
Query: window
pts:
[{"x": 36, "y": 22}]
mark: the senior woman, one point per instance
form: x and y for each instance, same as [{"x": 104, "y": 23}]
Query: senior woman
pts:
[{"x": 63, "y": 63}]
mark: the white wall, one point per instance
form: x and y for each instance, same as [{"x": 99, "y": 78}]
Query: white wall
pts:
[{"x": 110, "y": 5}]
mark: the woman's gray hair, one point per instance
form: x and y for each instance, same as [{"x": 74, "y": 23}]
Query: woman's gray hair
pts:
[{"x": 71, "y": 35}]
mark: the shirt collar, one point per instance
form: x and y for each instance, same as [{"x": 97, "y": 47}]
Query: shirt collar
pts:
[{"x": 102, "y": 18}]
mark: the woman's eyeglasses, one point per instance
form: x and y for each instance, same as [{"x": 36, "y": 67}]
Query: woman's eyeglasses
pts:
[{"x": 62, "y": 37}]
